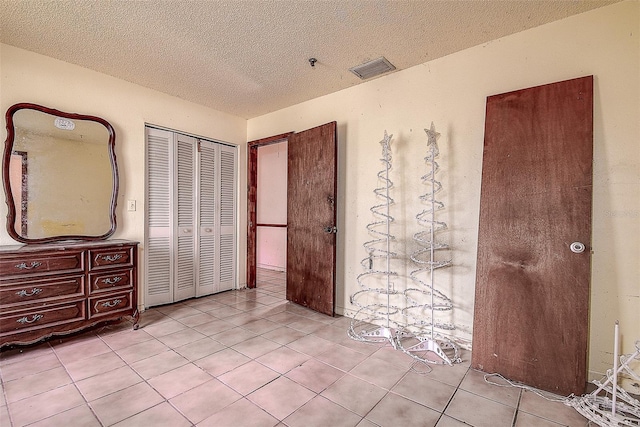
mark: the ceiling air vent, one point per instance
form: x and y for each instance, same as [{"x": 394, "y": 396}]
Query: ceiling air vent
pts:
[{"x": 372, "y": 68}]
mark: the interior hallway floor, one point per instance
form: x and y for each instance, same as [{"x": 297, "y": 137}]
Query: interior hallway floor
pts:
[{"x": 250, "y": 358}]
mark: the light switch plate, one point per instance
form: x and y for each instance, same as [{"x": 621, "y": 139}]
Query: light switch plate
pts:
[{"x": 131, "y": 205}]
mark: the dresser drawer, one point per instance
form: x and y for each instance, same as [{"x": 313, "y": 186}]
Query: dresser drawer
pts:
[
  {"x": 43, "y": 317},
  {"x": 121, "y": 256},
  {"x": 111, "y": 304},
  {"x": 27, "y": 264},
  {"x": 41, "y": 289},
  {"x": 110, "y": 280}
]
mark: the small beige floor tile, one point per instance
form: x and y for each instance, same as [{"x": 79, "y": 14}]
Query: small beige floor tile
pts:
[
  {"x": 141, "y": 351},
  {"x": 160, "y": 415},
  {"x": 379, "y": 372},
  {"x": 22, "y": 354},
  {"x": 331, "y": 333},
  {"x": 478, "y": 411},
  {"x": 394, "y": 410},
  {"x": 100, "y": 385},
  {"x": 121, "y": 405},
  {"x": 283, "y": 359},
  {"x": 284, "y": 317},
  {"x": 85, "y": 368},
  {"x": 197, "y": 319},
  {"x": 78, "y": 416},
  {"x": 44, "y": 405},
  {"x": 306, "y": 325},
  {"x": 199, "y": 349},
  {"x": 315, "y": 375},
  {"x": 29, "y": 366},
  {"x": 223, "y": 312},
  {"x": 205, "y": 400},
  {"x": 354, "y": 394},
  {"x": 248, "y": 377},
  {"x": 4, "y": 416},
  {"x": 179, "y": 311},
  {"x": 395, "y": 357},
  {"x": 261, "y": 326},
  {"x": 342, "y": 357},
  {"x": 256, "y": 347},
  {"x": 558, "y": 412},
  {"x": 311, "y": 345},
  {"x": 283, "y": 335},
  {"x": 179, "y": 338},
  {"x": 32, "y": 385},
  {"x": 424, "y": 390},
  {"x": 159, "y": 364},
  {"x": 75, "y": 351},
  {"x": 126, "y": 338},
  {"x": 452, "y": 375},
  {"x": 179, "y": 380},
  {"x": 222, "y": 361},
  {"x": 281, "y": 397},
  {"x": 321, "y": 412},
  {"x": 446, "y": 421},
  {"x": 233, "y": 336},
  {"x": 241, "y": 413},
  {"x": 214, "y": 327},
  {"x": 359, "y": 346},
  {"x": 165, "y": 328},
  {"x": 366, "y": 423},
  {"x": 151, "y": 317},
  {"x": 493, "y": 387},
  {"x": 527, "y": 420}
]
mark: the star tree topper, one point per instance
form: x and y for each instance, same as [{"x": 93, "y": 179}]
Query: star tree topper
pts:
[{"x": 432, "y": 135}]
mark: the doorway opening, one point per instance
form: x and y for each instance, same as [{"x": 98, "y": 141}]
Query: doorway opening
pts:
[
  {"x": 271, "y": 217},
  {"x": 267, "y": 211}
]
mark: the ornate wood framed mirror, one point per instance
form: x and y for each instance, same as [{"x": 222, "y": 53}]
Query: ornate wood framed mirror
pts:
[{"x": 59, "y": 174}]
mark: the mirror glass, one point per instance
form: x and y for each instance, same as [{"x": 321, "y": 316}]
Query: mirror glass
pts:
[{"x": 59, "y": 174}]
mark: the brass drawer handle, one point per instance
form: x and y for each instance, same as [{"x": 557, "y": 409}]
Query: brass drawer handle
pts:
[
  {"x": 24, "y": 266},
  {"x": 24, "y": 293},
  {"x": 111, "y": 304},
  {"x": 111, "y": 281},
  {"x": 34, "y": 318},
  {"x": 111, "y": 258}
]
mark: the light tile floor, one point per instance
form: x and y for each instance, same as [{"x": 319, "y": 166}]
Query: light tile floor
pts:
[{"x": 249, "y": 358}]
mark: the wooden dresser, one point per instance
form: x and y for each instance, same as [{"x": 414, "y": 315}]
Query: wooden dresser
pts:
[{"x": 57, "y": 289}]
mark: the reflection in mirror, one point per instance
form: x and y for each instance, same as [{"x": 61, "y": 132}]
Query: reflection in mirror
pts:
[{"x": 59, "y": 174}]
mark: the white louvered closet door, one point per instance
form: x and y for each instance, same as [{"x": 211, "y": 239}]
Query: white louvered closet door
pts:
[
  {"x": 191, "y": 217},
  {"x": 227, "y": 218},
  {"x": 159, "y": 253},
  {"x": 207, "y": 218},
  {"x": 185, "y": 226}
]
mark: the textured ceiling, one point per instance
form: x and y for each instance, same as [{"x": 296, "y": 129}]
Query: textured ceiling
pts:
[{"x": 249, "y": 58}]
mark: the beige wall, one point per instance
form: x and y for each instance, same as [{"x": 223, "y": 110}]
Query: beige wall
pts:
[
  {"x": 451, "y": 92},
  {"x": 29, "y": 77}
]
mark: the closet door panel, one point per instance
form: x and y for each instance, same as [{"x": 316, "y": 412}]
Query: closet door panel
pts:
[
  {"x": 227, "y": 233},
  {"x": 158, "y": 252},
  {"x": 207, "y": 218},
  {"x": 185, "y": 274}
]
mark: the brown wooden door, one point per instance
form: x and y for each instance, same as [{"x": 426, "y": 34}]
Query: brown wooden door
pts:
[
  {"x": 532, "y": 292},
  {"x": 311, "y": 218}
]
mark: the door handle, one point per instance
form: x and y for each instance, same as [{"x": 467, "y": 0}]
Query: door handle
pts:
[
  {"x": 329, "y": 229},
  {"x": 577, "y": 247}
]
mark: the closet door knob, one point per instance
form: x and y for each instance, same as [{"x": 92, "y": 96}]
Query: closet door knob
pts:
[{"x": 577, "y": 247}]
